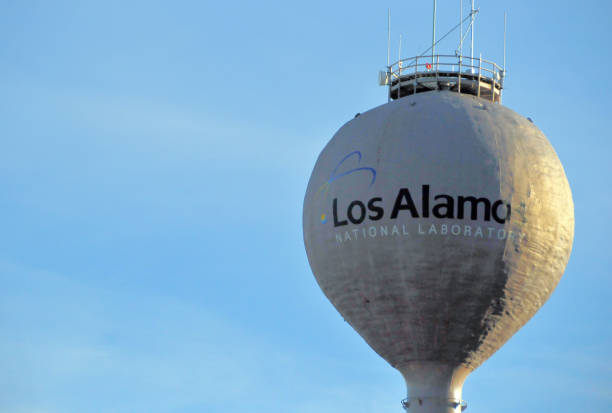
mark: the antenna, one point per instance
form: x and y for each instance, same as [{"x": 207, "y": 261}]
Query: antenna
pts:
[
  {"x": 483, "y": 79},
  {"x": 461, "y": 27},
  {"x": 433, "y": 40},
  {"x": 472, "y": 32},
  {"x": 388, "y": 36}
]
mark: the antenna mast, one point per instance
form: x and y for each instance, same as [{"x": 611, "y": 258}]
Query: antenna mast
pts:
[
  {"x": 433, "y": 39},
  {"x": 472, "y": 32},
  {"x": 388, "y": 36},
  {"x": 460, "y": 27},
  {"x": 430, "y": 71}
]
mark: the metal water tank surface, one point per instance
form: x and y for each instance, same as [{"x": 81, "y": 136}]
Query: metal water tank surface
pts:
[{"x": 437, "y": 225}]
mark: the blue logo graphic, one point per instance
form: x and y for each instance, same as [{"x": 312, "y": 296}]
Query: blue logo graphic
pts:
[{"x": 336, "y": 175}]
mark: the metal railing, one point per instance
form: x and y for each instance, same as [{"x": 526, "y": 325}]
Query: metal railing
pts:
[
  {"x": 444, "y": 69},
  {"x": 452, "y": 403}
]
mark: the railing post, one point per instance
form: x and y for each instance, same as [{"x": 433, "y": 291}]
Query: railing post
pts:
[
  {"x": 389, "y": 82},
  {"x": 501, "y": 84},
  {"x": 416, "y": 69},
  {"x": 493, "y": 76},
  {"x": 459, "y": 83},
  {"x": 479, "y": 67},
  {"x": 437, "y": 70},
  {"x": 399, "y": 79}
]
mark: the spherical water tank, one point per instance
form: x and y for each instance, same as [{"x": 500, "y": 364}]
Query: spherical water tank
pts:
[{"x": 437, "y": 225}]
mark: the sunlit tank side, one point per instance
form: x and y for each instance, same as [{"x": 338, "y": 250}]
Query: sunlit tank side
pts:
[{"x": 432, "y": 294}]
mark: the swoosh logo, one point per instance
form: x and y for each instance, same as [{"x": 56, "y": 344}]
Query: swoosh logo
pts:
[{"x": 335, "y": 175}]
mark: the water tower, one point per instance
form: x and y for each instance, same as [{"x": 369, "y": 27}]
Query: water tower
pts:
[{"x": 438, "y": 223}]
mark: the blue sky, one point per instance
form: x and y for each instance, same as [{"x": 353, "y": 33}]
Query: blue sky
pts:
[{"x": 153, "y": 162}]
